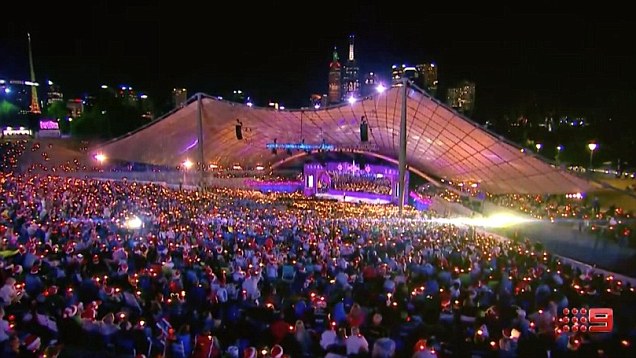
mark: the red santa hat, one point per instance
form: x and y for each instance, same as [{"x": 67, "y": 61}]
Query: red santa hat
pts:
[
  {"x": 52, "y": 290},
  {"x": 277, "y": 351},
  {"x": 89, "y": 313},
  {"x": 249, "y": 352},
  {"x": 32, "y": 342},
  {"x": 35, "y": 269}
]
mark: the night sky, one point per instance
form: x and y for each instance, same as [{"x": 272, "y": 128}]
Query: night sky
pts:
[{"x": 276, "y": 52}]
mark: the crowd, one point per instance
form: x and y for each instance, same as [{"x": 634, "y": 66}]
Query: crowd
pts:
[
  {"x": 95, "y": 267},
  {"x": 361, "y": 183}
]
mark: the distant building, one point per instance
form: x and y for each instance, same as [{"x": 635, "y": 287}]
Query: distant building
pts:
[
  {"x": 370, "y": 81},
  {"x": 18, "y": 93},
  {"x": 427, "y": 77},
  {"x": 462, "y": 97},
  {"x": 237, "y": 96},
  {"x": 54, "y": 94},
  {"x": 127, "y": 92},
  {"x": 75, "y": 107},
  {"x": 335, "y": 82},
  {"x": 179, "y": 97},
  {"x": 351, "y": 80},
  {"x": 398, "y": 72},
  {"x": 146, "y": 107},
  {"x": 317, "y": 100}
]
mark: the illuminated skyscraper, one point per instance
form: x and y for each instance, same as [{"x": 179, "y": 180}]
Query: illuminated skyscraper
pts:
[
  {"x": 400, "y": 71},
  {"x": 462, "y": 97},
  {"x": 351, "y": 80},
  {"x": 179, "y": 97},
  {"x": 54, "y": 94},
  {"x": 335, "y": 83},
  {"x": 427, "y": 77}
]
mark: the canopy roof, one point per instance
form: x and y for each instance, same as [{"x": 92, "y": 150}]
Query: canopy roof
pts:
[{"x": 440, "y": 141}]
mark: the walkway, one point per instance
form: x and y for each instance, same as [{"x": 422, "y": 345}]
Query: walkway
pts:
[{"x": 567, "y": 241}]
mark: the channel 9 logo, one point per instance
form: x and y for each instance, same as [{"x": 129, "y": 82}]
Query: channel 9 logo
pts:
[{"x": 593, "y": 320}]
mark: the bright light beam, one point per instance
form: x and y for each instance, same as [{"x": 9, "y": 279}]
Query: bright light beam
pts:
[{"x": 134, "y": 223}]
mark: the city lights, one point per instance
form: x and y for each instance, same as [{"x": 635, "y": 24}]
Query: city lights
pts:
[
  {"x": 100, "y": 157},
  {"x": 187, "y": 164},
  {"x": 380, "y": 88},
  {"x": 351, "y": 100}
]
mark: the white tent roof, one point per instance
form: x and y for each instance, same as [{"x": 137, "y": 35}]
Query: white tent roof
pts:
[{"x": 440, "y": 141}]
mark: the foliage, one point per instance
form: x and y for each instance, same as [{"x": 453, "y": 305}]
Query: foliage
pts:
[{"x": 109, "y": 116}]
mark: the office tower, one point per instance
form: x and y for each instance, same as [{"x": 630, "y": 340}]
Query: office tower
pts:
[
  {"x": 427, "y": 77},
  {"x": 54, "y": 94},
  {"x": 462, "y": 97},
  {"x": 335, "y": 83},
  {"x": 351, "y": 80}
]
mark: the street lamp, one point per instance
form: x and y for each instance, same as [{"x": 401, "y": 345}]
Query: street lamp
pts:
[
  {"x": 100, "y": 157},
  {"x": 186, "y": 165},
  {"x": 538, "y": 146},
  {"x": 559, "y": 148},
  {"x": 592, "y": 147}
]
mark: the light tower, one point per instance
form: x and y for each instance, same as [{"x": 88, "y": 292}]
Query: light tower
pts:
[{"x": 35, "y": 104}]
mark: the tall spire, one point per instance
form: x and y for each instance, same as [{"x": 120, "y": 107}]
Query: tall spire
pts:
[
  {"x": 35, "y": 104},
  {"x": 351, "y": 40}
]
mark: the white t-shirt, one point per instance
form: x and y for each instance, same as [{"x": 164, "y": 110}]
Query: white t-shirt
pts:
[
  {"x": 328, "y": 338},
  {"x": 356, "y": 344},
  {"x": 4, "y": 330}
]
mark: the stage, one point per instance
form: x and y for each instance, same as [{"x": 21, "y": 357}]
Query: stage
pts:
[{"x": 353, "y": 197}]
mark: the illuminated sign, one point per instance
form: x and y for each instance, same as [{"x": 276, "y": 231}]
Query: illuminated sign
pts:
[
  {"x": 49, "y": 124},
  {"x": 593, "y": 320},
  {"x": 9, "y": 131}
]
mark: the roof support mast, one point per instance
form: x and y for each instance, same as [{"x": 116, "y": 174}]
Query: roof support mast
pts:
[{"x": 402, "y": 154}]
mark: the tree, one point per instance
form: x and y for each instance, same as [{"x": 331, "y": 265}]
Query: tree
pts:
[{"x": 57, "y": 111}]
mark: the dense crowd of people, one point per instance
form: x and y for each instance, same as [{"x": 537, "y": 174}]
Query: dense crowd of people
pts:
[
  {"x": 123, "y": 267},
  {"x": 365, "y": 183}
]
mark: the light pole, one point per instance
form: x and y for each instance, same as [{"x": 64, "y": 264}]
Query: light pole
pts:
[
  {"x": 101, "y": 158},
  {"x": 559, "y": 148},
  {"x": 592, "y": 147},
  {"x": 186, "y": 165},
  {"x": 538, "y": 146}
]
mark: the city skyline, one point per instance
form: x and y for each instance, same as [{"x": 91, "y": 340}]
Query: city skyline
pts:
[{"x": 568, "y": 59}]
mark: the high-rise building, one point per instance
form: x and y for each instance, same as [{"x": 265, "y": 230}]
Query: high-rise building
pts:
[
  {"x": 54, "y": 94},
  {"x": 462, "y": 97},
  {"x": 75, "y": 107},
  {"x": 400, "y": 71},
  {"x": 351, "y": 80},
  {"x": 179, "y": 97},
  {"x": 370, "y": 81},
  {"x": 427, "y": 77},
  {"x": 335, "y": 83}
]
